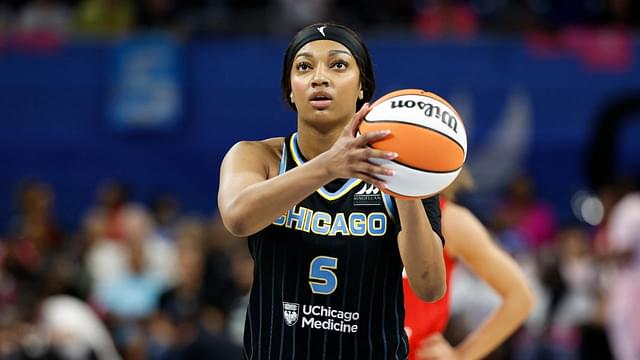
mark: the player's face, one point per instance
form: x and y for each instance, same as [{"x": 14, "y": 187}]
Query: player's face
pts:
[{"x": 325, "y": 81}]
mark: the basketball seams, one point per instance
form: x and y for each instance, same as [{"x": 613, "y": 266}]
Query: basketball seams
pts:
[
  {"x": 420, "y": 169},
  {"x": 420, "y": 126},
  {"x": 427, "y": 171}
]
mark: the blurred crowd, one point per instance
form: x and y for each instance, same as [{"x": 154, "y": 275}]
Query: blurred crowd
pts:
[
  {"x": 132, "y": 281},
  {"x": 150, "y": 281},
  {"x": 197, "y": 18}
]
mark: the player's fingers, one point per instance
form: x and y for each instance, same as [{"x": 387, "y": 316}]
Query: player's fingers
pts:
[
  {"x": 434, "y": 339},
  {"x": 430, "y": 353},
  {"x": 426, "y": 353},
  {"x": 374, "y": 170},
  {"x": 353, "y": 126},
  {"x": 371, "y": 136},
  {"x": 371, "y": 180},
  {"x": 368, "y": 153}
]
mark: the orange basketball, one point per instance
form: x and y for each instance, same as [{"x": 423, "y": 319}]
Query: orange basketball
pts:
[{"x": 428, "y": 135}]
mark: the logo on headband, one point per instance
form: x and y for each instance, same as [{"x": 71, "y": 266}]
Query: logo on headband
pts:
[{"x": 321, "y": 30}]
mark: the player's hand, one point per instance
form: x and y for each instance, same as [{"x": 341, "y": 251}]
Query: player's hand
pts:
[
  {"x": 349, "y": 156},
  {"x": 436, "y": 347}
]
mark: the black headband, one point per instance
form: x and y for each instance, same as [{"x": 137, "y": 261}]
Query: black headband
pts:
[{"x": 326, "y": 32}]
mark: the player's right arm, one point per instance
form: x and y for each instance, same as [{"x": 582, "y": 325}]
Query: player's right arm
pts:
[
  {"x": 248, "y": 200},
  {"x": 251, "y": 197}
]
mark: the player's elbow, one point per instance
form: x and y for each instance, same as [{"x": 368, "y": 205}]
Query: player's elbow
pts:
[
  {"x": 522, "y": 299},
  {"x": 431, "y": 292},
  {"x": 236, "y": 224},
  {"x": 528, "y": 300}
]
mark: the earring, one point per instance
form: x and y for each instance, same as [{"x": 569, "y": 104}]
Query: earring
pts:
[
  {"x": 361, "y": 96},
  {"x": 291, "y": 97}
]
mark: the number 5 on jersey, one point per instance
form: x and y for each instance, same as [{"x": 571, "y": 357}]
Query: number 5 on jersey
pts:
[{"x": 322, "y": 279}]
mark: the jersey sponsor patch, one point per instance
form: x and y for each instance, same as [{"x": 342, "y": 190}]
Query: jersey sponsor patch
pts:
[
  {"x": 321, "y": 317},
  {"x": 290, "y": 312},
  {"x": 368, "y": 195}
]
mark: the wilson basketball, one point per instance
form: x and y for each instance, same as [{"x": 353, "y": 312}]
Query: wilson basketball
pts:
[{"x": 428, "y": 135}]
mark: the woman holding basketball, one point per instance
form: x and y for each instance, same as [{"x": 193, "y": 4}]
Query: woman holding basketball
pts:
[
  {"x": 328, "y": 250},
  {"x": 469, "y": 241}
]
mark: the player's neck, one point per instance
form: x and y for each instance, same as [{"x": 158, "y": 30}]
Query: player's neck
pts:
[{"x": 313, "y": 141}]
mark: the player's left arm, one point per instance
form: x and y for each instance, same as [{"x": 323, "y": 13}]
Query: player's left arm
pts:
[
  {"x": 469, "y": 240},
  {"x": 421, "y": 247}
]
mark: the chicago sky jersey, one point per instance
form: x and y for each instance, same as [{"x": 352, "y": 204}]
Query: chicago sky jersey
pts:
[{"x": 328, "y": 275}]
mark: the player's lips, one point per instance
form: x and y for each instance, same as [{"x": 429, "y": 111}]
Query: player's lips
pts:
[{"x": 320, "y": 100}]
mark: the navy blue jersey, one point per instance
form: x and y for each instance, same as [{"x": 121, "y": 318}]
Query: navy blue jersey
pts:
[{"x": 328, "y": 275}]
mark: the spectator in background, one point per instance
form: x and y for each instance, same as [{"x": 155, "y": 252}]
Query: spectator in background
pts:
[
  {"x": 45, "y": 16},
  {"x": 375, "y": 15},
  {"x": 150, "y": 268},
  {"x": 105, "y": 259},
  {"x": 290, "y": 15},
  {"x": 571, "y": 277},
  {"x": 623, "y": 312},
  {"x": 446, "y": 18},
  {"x": 179, "y": 16},
  {"x": 33, "y": 233},
  {"x": 242, "y": 271},
  {"x": 74, "y": 330},
  {"x": 111, "y": 198},
  {"x": 219, "y": 280},
  {"x": 189, "y": 324},
  {"x": 105, "y": 17},
  {"x": 522, "y": 220},
  {"x": 166, "y": 214}
]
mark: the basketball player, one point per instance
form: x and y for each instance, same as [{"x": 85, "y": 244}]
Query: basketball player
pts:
[
  {"x": 469, "y": 241},
  {"x": 328, "y": 253}
]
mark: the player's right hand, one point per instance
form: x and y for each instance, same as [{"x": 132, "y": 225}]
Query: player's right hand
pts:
[{"x": 349, "y": 156}]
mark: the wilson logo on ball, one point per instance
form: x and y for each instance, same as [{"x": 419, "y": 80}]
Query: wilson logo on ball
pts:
[{"x": 429, "y": 111}]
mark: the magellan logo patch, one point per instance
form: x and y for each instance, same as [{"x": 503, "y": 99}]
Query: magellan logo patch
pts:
[
  {"x": 368, "y": 195},
  {"x": 290, "y": 312}
]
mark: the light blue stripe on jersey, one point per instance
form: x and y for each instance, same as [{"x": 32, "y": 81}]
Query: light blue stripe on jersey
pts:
[
  {"x": 293, "y": 354},
  {"x": 372, "y": 296},
  {"x": 324, "y": 341},
  {"x": 299, "y": 159},
  {"x": 390, "y": 206},
  {"x": 283, "y": 158},
  {"x": 250, "y": 333},
  {"x": 399, "y": 323},
  {"x": 384, "y": 308},
  {"x": 355, "y": 339},
  {"x": 344, "y": 294},
  {"x": 273, "y": 285},
  {"x": 284, "y": 268}
]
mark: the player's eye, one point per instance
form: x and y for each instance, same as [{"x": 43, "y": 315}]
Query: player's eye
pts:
[
  {"x": 340, "y": 65},
  {"x": 303, "y": 66}
]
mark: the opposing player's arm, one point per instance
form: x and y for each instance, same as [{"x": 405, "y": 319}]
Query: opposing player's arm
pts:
[
  {"x": 421, "y": 250},
  {"x": 470, "y": 241},
  {"x": 248, "y": 200}
]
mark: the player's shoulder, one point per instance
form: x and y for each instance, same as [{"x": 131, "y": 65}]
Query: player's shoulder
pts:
[
  {"x": 456, "y": 219},
  {"x": 456, "y": 210},
  {"x": 264, "y": 154},
  {"x": 267, "y": 147}
]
